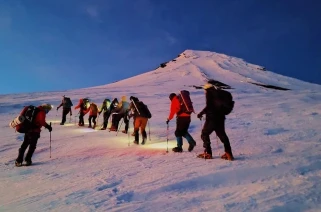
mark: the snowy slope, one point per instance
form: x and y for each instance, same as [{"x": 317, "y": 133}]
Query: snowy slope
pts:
[{"x": 274, "y": 134}]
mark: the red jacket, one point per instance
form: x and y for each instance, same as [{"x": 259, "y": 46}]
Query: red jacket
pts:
[
  {"x": 40, "y": 119},
  {"x": 81, "y": 106},
  {"x": 175, "y": 108}
]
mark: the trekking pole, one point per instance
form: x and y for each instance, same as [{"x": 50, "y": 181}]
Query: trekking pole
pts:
[
  {"x": 56, "y": 114},
  {"x": 202, "y": 127},
  {"x": 135, "y": 107},
  {"x": 167, "y": 137},
  {"x": 98, "y": 120},
  {"x": 76, "y": 117},
  {"x": 217, "y": 146},
  {"x": 119, "y": 126},
  {"x": 50, "y": 140},
  {"x": 128, "y": 134},
  {"x": 149, "y": 130}
]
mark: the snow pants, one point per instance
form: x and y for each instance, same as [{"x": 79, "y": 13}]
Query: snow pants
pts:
[{"x": 30, "y": 139}]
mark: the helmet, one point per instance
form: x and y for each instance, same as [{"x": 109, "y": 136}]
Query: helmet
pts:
[{"x": 171, "y": 96}]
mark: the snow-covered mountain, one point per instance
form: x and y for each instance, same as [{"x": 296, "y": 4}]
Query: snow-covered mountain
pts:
[{"x": 274, "y": 132}]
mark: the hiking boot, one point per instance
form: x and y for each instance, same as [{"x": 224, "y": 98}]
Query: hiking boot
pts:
[
  {"x": 124, "y": 131},
  {"x": 18, "y": 164},
  {"x": 94, "y": 126},
  {"x": 191, "y": 146},
  {"x": 89, "y": 126},
  {"x": 227, "y": 156},
  {"x": 205, "y": 156},
  {"x": 28, "y": 163},
  {"x": 112, "y": 129},
  {"x": 144, "y": 141},
  {"x": 103, "y": 128},
  {"x": 177, "y": 149},
  {"x": 133, "y": 134},
  {"x": 61, "y": 123},
  {"x": 135, "y": 142}
]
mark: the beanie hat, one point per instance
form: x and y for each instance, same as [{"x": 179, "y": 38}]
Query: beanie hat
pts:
[
  {"x": 135, "y": 99},
  {"x": 208, "y": 85},
  {"x": 171, "y": 96},
  {"x": 46, "y": 107}
]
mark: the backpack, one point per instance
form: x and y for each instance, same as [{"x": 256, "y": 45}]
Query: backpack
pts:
[
  {"x": 113, "y": 105},
  {"x": 85, "y": 103},
  {"x": 106, "y": 105},
  {"x": 93, "y": 108},
  {"x": 225, "y": 101},
  {"x": 67, "y": 103},
  {"x": 142, "y": 109},
  {"x": 27, "y": 123},
  {"x": 186, "y": 104}
]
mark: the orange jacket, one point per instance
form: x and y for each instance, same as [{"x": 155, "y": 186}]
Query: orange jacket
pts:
[
  {"x": 175, "y": 108},
  {"x": 93, "y": 110},
  {"x": 40, "y": 119}
]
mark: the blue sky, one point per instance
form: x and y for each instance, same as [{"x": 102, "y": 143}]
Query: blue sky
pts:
[{"x": 67, "y": 44}]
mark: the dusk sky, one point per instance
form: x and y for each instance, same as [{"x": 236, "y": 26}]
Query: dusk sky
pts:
[{"x": 69, "y": 44}]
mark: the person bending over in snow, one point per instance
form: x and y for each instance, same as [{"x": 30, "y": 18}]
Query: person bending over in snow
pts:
[{"x": 32, "y": 134}]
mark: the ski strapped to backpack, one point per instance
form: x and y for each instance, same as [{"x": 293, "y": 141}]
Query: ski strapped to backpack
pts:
[
  {"x": 142, "y": 109},
  {"x": 25, "y": 121},
  {"x": 186, "y": 104}
]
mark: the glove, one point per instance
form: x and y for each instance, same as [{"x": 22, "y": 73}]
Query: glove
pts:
[
  {"x": 167, "y": 121},
  {"x": 99, "y": 112},
  {"x": 48, "y": 127},
  {"x": 70, "y": 114},
  {"x": 57, "y": 108},
  {"x": 199, "y": 116}
]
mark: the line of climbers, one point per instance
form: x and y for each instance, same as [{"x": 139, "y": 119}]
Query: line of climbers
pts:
[
  {"x": 181, "y": 106},
  {"x": 219, "y": 103},
  {"x": 113, "y": 110}
]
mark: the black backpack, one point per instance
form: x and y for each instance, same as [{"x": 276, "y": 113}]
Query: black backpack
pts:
[
  {"x": 67, "y": 103},
  {"x": 226, "y": 101},
  {"x": 143, "y": 110},
  {"x": 29, "y": 117}
]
